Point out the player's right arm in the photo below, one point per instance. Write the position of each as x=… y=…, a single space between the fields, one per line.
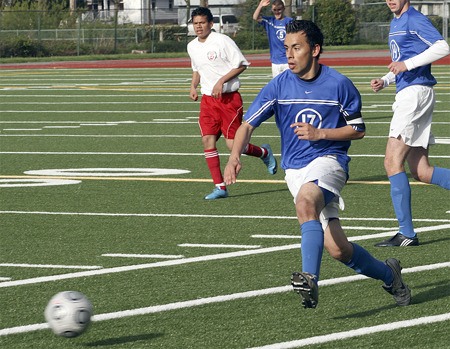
x=257 y=14
x=380 y=83
x=241 y=139
x=194 y=84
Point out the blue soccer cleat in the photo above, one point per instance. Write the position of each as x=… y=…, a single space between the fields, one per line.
x=269 y=160
x=217 y=193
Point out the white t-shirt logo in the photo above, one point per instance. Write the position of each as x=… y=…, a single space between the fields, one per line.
x=212 y=55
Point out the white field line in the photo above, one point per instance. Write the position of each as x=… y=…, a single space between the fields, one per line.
x=215 y=299
x=219 y=246
x=171 y=179
x=50 y=266
x=160 y=264
x=183 y=261
x=363 y=331
x=4 y=278
x=106 y=214
x=159 y=153
x=131 y=255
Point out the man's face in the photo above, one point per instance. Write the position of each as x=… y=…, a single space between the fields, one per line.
x=278 y=11
x=299 y=54
x=202 y=27
x=398 y=7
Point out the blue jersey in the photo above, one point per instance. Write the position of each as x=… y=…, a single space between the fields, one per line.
x=276 y=32
x=329 y=101
x=410 y=35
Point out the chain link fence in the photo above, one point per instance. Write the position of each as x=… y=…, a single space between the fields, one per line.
x=39 y=33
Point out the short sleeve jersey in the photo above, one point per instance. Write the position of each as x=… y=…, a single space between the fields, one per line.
x=329 y=101
x=276 y=32
x=409 y=35
x=213 y=59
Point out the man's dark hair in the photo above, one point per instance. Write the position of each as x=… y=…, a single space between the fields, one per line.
x=202 y=11
x=312 y=32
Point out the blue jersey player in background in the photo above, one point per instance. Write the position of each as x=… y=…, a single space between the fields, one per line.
x=318 y=113
x=414 y=44
x=275 y=27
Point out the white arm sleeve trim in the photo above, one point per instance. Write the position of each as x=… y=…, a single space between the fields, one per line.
x=388 y=79
x=436 y=51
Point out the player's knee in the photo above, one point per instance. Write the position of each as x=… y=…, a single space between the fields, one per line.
x=306 y=210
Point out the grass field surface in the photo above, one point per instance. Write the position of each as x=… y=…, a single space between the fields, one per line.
x=102 y=179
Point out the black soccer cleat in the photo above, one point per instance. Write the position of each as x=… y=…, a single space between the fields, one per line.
x=399 y=240
x=399 y=290
x=306 y=286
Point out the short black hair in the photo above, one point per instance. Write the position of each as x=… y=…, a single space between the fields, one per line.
x=202 y=11
x=312 y=32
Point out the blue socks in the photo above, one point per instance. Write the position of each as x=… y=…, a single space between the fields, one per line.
x=441 y=177
x=364 y=263
x=401 y=199
x=312 y=247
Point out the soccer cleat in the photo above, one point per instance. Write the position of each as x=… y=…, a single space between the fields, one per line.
x=217 y=193
x=399 y=240
x=398 y=289
x=306 y=286
x=269 y=160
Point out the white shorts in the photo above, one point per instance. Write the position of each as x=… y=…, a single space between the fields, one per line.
x=278 y=68
x=329 y=175
x=413 y=112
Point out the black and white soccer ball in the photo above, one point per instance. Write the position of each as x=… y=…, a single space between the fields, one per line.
x=69 y=313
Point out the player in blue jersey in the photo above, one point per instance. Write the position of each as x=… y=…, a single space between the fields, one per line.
x=414 y=45
x=275 y=29
x=318 y=112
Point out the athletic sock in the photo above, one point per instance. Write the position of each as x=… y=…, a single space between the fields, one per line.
x=312 y=247
x=254 y=150
x=213 y=163
x=364 y=263
x=401 y=200
x=441 y=177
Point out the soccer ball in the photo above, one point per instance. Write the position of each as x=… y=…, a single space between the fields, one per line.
x=68 y=313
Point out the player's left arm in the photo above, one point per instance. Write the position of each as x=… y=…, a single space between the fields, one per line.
x=217 y=89
x=308 y=132
x=438 y=50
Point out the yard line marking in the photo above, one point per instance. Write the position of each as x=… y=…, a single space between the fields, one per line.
x=262 y=236
x=4 y=279
x=219 y=246
x=148 y=265
x=363 y=331
x=131 y=255
x=212 y=257
x=50 y=266
x=216 y=299
x=179 y=215
x=188 y=180
x=62 y=127
x=22 y=129
x=274 y=236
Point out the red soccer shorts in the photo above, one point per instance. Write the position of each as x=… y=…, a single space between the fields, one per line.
x=221 y=115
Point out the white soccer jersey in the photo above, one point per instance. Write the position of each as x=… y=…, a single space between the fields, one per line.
x=213 y=59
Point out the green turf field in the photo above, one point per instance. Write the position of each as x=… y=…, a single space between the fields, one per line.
x=102 y=178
